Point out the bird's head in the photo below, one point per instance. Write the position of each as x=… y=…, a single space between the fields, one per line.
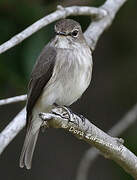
x=68 y=32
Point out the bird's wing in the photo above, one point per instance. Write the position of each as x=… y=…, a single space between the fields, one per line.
x=40 y=76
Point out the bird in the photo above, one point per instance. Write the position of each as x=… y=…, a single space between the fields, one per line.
x=59 y=77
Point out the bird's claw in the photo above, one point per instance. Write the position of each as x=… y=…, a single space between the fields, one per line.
x=70 y=114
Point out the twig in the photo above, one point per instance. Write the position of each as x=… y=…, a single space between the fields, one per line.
x=59 y=13
x=110 y=147
x=13 y=99
x=91 y=154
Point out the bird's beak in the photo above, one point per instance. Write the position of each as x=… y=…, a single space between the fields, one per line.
x=61 y=33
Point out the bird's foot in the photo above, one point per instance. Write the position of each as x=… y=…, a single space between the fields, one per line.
x=70 y=114
x=59 y=111
x=67 y=113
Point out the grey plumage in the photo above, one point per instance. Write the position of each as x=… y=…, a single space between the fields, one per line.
x=61 y=74
x=40 y=75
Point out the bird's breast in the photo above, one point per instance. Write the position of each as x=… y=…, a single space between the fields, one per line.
x=74 y=75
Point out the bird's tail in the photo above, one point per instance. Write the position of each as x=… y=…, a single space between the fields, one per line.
x=29 y=143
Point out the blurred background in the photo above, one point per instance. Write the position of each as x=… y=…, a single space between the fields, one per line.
x=112 y=92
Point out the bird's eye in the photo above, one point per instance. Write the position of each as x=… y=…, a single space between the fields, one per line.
x=74 y=33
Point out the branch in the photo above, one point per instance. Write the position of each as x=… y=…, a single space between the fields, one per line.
x=102 y=18
x=13 y=100
x=91 y=154
x=97 y=27
x=80 y=127
x=58 y=14
x=13 y=128
x=19 y=122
